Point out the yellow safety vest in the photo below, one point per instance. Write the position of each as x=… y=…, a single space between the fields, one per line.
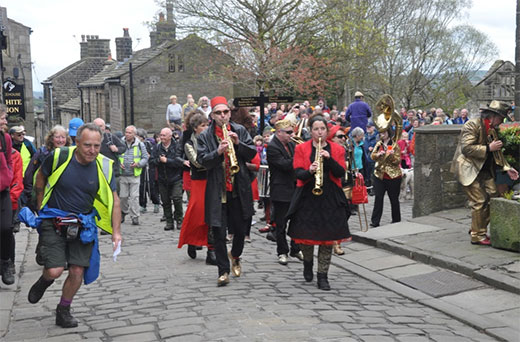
x=26 y=156
x=137 y=159
x=104 y=200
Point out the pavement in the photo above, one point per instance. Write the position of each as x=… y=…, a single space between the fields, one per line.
x=417 y=280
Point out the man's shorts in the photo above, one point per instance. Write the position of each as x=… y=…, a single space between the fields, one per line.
x=56 y=251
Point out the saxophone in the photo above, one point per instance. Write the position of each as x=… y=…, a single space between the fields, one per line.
x=231 y=151
x=497 y=155
x=317 y=190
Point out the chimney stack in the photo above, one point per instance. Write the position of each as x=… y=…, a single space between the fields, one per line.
x=123 y=46
x=92 y=46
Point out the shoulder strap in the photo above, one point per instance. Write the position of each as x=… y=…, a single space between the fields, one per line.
x=4 y=144
x=61 y=155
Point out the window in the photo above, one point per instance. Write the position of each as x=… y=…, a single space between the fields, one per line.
x=114 y=97
x=171 y=62
x=180 y=63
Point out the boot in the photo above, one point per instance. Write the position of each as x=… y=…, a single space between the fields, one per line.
x=7 y=272
x=156 y=208
x=211 y=257
x=38 y=289
x=307 y=270
x=192 y=251
x=337 y=249
x=63 y=317
x=323 y=282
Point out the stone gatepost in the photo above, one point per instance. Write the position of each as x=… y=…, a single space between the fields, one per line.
x=435 y=187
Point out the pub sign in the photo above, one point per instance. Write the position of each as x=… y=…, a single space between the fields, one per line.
x=14 y=100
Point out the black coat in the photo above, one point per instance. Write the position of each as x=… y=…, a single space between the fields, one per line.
x=208 y=157
x=171 y=171
x=282 y=177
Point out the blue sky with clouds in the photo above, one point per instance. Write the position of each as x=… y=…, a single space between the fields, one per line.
x=58 y=25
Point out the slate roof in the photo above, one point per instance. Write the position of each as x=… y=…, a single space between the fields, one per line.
x=138 y=59
x=120 y=68
x=72 y=104
x=65 y=82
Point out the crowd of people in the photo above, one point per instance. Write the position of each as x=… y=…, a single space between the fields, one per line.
x=299 y=169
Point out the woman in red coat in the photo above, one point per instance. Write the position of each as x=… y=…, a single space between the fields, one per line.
x=318 y=219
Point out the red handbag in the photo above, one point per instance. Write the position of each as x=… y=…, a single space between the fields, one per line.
x=359 y=191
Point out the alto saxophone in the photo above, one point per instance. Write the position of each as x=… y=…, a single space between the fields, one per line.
x=231 y=151
x=317 y=190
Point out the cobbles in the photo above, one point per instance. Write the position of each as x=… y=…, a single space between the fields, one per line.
x=156 y=292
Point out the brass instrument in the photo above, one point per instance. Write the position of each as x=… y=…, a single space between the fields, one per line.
x=387 y=115
x=231 y=151
x=497 y=155
x=298 y=137
x=317 y=190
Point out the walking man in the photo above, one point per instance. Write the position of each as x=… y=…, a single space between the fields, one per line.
x=280 y=152
x=132 y=162
x=229 y=199
x=74 y=182
x=167 y=159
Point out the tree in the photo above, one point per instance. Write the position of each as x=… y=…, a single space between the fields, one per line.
x=426 y=58
x=264 y=37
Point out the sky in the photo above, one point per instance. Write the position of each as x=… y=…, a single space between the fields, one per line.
x=57 y=27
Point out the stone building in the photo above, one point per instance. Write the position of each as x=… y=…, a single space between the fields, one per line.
x=60 y=91
x=497 y=84
x=16 y=72
x=140 y=95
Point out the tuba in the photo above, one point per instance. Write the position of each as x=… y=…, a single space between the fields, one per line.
x=388 y=116
x=317 y=190
x=231 y=151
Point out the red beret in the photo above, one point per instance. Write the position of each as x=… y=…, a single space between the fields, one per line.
x=218 y=100
x=333 y=131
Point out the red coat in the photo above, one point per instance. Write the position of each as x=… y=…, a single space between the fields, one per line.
x=302 y=159
x=17 y=182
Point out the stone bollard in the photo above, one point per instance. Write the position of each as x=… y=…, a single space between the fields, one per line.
x=505 y=224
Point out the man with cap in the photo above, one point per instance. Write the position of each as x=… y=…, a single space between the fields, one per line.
x=358 y=112
x=229 y=199
x=22 y=145
x=74 y=124
x=280 y=152
x=475 y=162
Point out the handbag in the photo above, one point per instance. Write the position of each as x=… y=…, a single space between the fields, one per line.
x=359 y=191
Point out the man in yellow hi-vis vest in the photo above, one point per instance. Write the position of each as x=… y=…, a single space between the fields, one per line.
x=132 y=163
x=73 y=180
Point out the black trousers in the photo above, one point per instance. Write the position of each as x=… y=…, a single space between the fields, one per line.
x=231 y=217
x=148 y=185
x=7 y=243
x=172 y=193
x=280 y=210
x=392 y=187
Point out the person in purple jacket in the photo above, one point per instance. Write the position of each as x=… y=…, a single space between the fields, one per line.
x=358 y=112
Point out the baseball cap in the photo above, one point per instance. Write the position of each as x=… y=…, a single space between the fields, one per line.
x=74 y=124
x=16 y=129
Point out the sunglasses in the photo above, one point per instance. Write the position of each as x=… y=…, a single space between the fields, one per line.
x=288 y=131
x=220 y=112
x=341 y=136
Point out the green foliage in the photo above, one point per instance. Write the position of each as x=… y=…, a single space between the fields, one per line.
x=510 y=136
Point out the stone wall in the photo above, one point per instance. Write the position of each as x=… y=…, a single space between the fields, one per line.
x=17 y=66
x=435 y=187
x=154 y=83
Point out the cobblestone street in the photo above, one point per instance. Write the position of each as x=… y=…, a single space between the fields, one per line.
x=156 y=292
